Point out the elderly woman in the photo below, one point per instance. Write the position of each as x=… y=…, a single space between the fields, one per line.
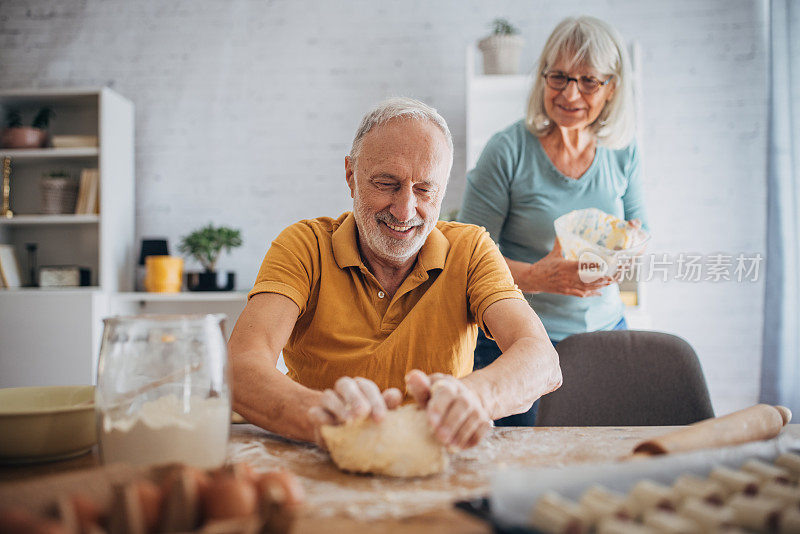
x=573 y=150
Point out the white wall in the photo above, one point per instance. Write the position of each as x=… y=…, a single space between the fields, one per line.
x=245 y=109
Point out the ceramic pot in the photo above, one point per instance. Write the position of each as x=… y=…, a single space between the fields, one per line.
x=211 y=281
x=163 y=274
x=23 y=137
x=501 y=53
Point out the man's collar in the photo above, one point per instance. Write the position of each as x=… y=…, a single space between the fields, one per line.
x=344 y=240
x=345 y=244
x=434 y=251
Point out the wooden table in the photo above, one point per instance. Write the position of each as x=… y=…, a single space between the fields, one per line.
x=341 y=502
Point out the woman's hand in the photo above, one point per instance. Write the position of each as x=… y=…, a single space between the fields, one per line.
x=554 y=274
x=352 y=398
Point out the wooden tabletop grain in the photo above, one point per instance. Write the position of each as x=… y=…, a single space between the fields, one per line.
x=347 y=503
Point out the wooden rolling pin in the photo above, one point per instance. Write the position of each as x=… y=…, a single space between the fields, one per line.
x=758 y=422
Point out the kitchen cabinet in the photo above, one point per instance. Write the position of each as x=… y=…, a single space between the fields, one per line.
x=50 y=338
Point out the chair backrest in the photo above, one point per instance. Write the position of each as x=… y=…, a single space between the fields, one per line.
x=626 y=378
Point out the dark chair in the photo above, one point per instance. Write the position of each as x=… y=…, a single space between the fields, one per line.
x=626 y=378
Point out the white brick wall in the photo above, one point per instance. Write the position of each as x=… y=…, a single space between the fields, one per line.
x=245 y=109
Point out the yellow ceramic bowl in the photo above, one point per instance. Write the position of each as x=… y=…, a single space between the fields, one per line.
x=46 y=423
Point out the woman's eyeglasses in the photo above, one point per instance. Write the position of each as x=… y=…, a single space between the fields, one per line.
x=587 y=85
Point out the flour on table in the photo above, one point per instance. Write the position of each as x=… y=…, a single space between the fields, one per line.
x=402 y=445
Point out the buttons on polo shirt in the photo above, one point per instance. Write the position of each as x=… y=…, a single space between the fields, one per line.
x=381 y=294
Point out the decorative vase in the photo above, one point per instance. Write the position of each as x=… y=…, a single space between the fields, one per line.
x=59 y=195
x=211 y=281
x=23 y=137
x=501 y=53
x=150 y=247
x=163 y=274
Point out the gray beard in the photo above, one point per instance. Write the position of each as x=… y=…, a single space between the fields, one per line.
x=381 y=245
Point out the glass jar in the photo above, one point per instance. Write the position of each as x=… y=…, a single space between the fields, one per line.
x=162 y=390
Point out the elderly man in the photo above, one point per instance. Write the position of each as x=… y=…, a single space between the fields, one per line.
x=386 y=298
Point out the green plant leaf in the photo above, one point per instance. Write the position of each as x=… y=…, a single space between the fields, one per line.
x=13 y=118
x=42 y=119
x=503 y=27
x=206 y=244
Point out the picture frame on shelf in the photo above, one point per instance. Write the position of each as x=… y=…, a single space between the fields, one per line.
x=10 y=275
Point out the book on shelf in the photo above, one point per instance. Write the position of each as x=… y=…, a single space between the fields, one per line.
x=88 y=192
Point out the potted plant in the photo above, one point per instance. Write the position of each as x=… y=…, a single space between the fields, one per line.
x=205 y=245
x=15 y=135
x=501 y=49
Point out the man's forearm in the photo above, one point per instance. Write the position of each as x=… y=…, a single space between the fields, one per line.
x=522 y=374
x=267 y=398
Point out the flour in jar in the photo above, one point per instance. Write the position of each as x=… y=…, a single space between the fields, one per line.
x=162 y=431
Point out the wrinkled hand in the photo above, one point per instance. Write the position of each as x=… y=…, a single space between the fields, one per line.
x=554 y=274
x=455 y=412
x=352 y=398
x=636 y=223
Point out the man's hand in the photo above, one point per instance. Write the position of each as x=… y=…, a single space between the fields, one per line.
x=352 y=398
x=455 y=412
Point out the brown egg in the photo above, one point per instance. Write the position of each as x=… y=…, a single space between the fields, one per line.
x=240 y=470
x=281 y=496
x=87 y=511
x=281 y=487
x=228 y=497
x=243 y=470
x=15 y=520
x=182 y=488
x=150 y=498
x=200 y=477
x=47 y=526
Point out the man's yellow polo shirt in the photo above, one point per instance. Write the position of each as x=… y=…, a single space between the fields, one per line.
x=348 y=326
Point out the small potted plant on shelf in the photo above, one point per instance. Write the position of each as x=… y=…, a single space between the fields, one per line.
x=501 y=49
x=15 y=135
x=205 y=245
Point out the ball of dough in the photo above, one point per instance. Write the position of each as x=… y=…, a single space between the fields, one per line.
x=402 y=445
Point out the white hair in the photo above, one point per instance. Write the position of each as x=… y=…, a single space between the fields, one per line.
x=399 y=107
x=590 y=41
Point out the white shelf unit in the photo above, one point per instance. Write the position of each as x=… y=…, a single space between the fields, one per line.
x=50 y=291
x=494 y=102
x=52 y=336
x=101 y=242
x=28 y=220
x=229 y=303
x=50 y=153
x=186 y=296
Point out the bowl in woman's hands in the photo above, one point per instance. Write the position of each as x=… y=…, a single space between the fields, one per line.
x=604 y=245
